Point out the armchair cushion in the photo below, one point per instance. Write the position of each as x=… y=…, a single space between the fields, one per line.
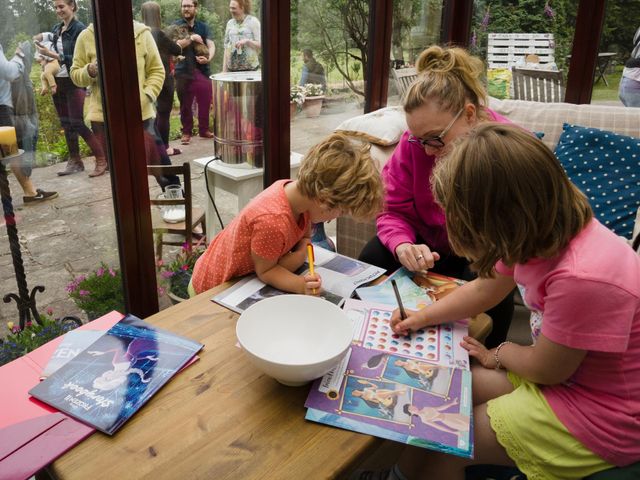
x=382 y=127
x=606 y=167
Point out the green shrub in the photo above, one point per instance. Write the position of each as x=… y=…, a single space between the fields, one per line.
x=20 y=342
x=99 y=292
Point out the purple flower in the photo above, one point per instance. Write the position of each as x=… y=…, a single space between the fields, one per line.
x=161 y=291
x=486 y=19
x=15 y=329
x=84 y=293
x=100 y=272
x=80 y=278
x=112 y=272
x=548 y=11
x=166 y=274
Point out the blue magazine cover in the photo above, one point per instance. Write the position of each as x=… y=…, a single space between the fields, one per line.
x=107 y=383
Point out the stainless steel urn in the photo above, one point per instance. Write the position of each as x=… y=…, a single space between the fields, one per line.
x=237 y=122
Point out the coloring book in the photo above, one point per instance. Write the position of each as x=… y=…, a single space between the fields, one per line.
x=340 y=277
x=104 y=385
x=414 y=389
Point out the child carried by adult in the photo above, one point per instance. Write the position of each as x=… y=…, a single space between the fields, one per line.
x=269 y=236
x=50 y=65
x=567 y=406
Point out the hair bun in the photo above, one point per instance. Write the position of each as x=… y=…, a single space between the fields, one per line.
x=436 y=59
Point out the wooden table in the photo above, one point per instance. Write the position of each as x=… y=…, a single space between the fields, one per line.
x=218 y=419
x=604 y=59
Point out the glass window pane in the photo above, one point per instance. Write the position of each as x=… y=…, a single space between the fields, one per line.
x=63 y=210
x=535 y=36
x=213 y=117
x=618 y=44
x=329 y=42
x=416 y=25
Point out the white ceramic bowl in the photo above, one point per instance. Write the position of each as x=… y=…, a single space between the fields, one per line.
x=294 y=338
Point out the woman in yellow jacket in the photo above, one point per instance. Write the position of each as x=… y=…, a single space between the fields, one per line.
x=84 y=73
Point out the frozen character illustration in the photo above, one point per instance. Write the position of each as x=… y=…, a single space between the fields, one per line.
x=382 y=399
x=454 y=423
x=123 y=363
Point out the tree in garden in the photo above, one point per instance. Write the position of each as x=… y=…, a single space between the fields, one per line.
x=337 y=31
x=406 y=13
x=622 y=19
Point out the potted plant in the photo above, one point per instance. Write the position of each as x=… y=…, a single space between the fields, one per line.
x=99 y=292
x=178 y=272
x=297 y=95
x=20 y=342
x=314 y=95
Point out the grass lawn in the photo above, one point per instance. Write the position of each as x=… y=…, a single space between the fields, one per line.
x=603 y=93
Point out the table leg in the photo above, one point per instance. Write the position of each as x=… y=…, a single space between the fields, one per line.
x=26 y=301
x=601 y=71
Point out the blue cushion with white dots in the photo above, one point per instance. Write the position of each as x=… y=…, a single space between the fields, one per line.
x=606 y=167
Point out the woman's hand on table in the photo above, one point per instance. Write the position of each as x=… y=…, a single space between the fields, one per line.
x=416 y=258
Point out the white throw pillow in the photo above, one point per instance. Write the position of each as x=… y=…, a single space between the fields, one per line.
x=382 y=127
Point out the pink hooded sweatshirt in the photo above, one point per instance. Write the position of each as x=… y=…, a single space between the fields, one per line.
x=410 y=209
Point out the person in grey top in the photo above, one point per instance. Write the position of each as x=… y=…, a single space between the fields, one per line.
x=12 y=70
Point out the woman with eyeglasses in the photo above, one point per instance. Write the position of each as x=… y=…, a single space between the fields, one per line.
x=446 y=101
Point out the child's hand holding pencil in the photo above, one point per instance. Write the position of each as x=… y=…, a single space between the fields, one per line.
x=312 y=281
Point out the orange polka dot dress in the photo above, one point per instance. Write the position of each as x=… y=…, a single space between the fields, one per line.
x=266 y=227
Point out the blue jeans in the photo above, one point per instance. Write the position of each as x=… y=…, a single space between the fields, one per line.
x=629 y=92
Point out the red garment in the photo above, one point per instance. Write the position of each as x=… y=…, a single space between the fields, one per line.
x=266 y=227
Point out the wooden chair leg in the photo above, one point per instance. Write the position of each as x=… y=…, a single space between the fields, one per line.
x=158 y=245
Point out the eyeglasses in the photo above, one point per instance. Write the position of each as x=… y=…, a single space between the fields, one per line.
x=435 y=142
x=188 y=6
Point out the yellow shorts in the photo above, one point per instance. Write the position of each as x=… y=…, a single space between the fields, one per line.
x=191 y=290
x=535 y=439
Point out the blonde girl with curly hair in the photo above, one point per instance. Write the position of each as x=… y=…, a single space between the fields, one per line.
x=446 y=101
x=269 y=236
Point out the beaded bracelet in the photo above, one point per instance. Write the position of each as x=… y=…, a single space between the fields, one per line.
x=495 y=355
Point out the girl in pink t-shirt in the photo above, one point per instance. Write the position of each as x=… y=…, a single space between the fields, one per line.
x=568 y=405
x=270 y=235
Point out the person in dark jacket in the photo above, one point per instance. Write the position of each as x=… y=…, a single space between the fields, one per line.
x=312 y=71
x=69 y=99
x=192 y=73
x=168 y=49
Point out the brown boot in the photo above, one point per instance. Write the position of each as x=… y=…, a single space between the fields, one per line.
x=74 y=165
x=101 y=167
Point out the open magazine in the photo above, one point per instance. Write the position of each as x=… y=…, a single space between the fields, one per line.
x=414 y=389
x=340 y=275
x=104 y=385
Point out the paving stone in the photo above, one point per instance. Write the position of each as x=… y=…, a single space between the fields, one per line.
x=73 y=233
